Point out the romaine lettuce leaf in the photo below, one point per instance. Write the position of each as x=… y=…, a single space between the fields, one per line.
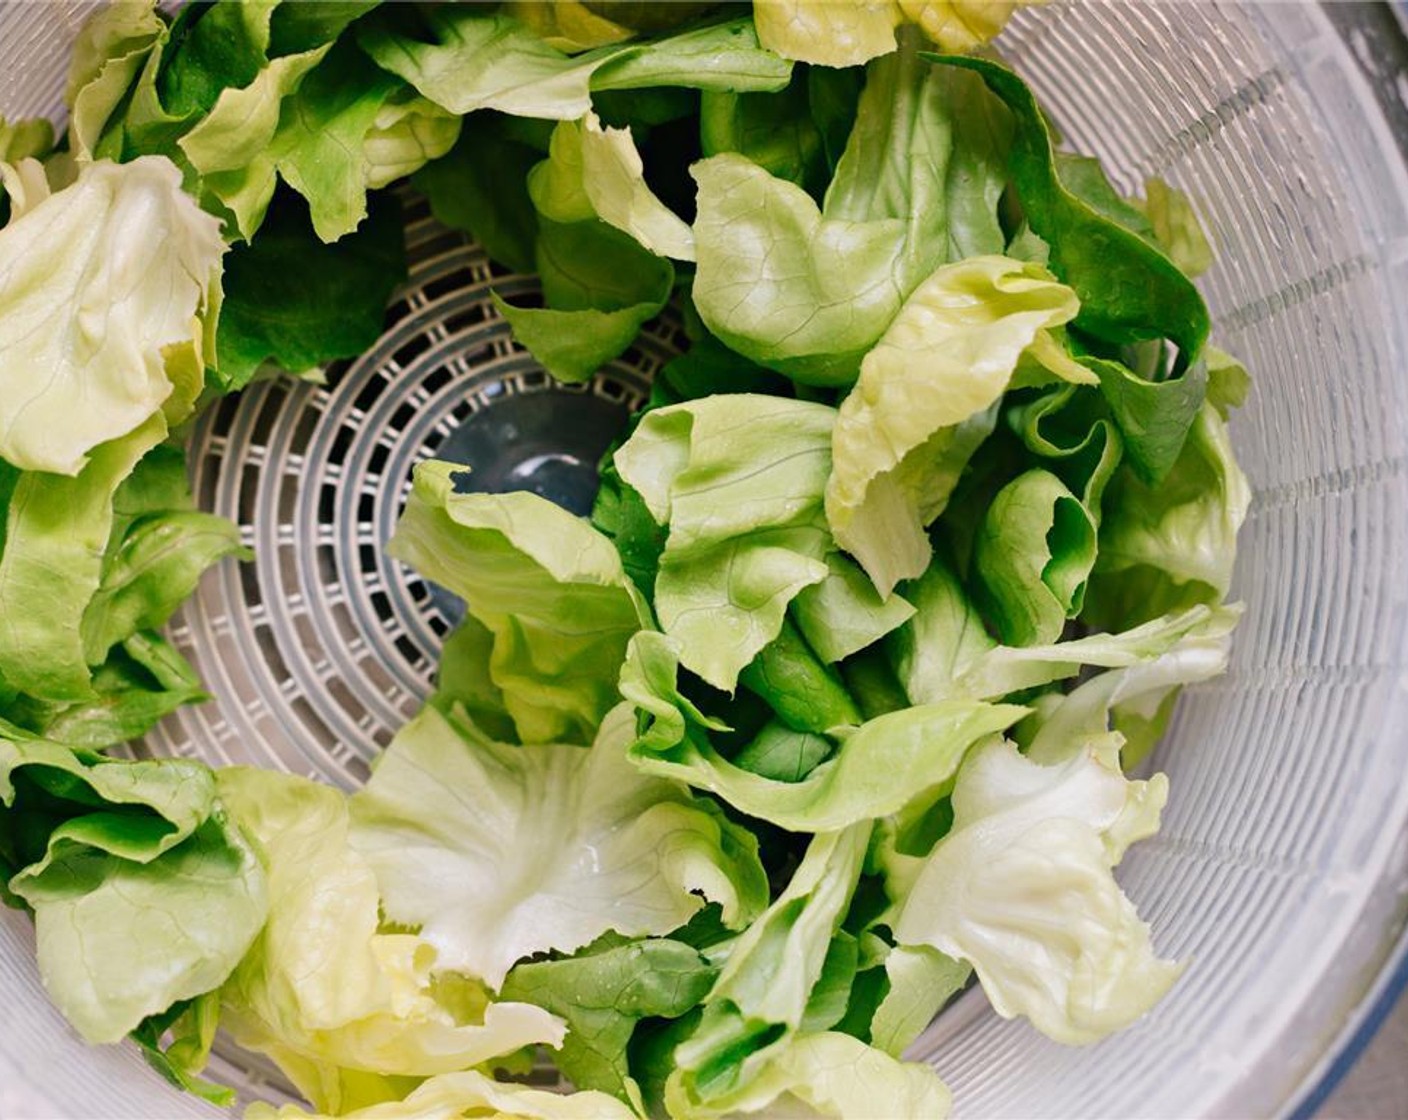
x=738 y=479
x=144 y=893
x=878 y=768
x=98 y=281
x=323 y=990
x=548 y=587
x=925 y=401
x=498 y=852
x=1021 y=888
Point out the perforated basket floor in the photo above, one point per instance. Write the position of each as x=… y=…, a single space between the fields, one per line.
x=323 y=646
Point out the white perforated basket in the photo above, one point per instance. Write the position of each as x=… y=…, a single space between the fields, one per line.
x=1282 y=868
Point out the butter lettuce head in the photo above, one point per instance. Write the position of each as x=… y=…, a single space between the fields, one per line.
x=98 y=282
x=337 y=1002
x=498 y=852
x=1022 y=889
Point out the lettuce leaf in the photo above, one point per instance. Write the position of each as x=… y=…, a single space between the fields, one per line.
x=925 y=401
x=1021 y=888
x=453 y=1096
x=738 y=480
x=548 y=587
x=830 y=1074
x=1169 y=546
x=878 y=768
x=56 y=531
x=108 y=53
x=762 y=993
x=298 y=303
x=498 y=852
x=323 y=990
x=99 y=281
x=143 y=892
x=844 y=614
x=480 y=60
x=1128 y=288
x=603 y=994
x=808 y=291
x=829 y=33
x=945 y=653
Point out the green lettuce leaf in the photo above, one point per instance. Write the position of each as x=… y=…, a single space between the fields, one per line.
x=406 y=134
x=482 y=60
x=141 y=681
x=155 y=568
x=827 y=34
x=806 y=694
x=100 y=279
x=777 y=131
x=1135 y=693
x=294 y=28
x=738 y=479
x=602 y=996
x=1022 y=889
x=1154 y=417
x=600 y=287
x=548 y=587
x=877 y=769
x=1128 y=289
x=108 y=53
x=480 y=186
x=452 y=1096
x=1176 y=227
x=298 y=303
x=143 y=892
x=809 y=291
x=763 y=991
x=323 y=990
x=191 y=1026
x=945 y=653
x=1033 y=555
x=1169 y=546
x=844 y=614
x=920 y=981
x=925 y=401
x=830 y=1074
x=498 y=852
x=56 y=531
x=233 y=146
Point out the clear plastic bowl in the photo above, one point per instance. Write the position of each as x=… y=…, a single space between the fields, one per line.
x=1281 y=872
